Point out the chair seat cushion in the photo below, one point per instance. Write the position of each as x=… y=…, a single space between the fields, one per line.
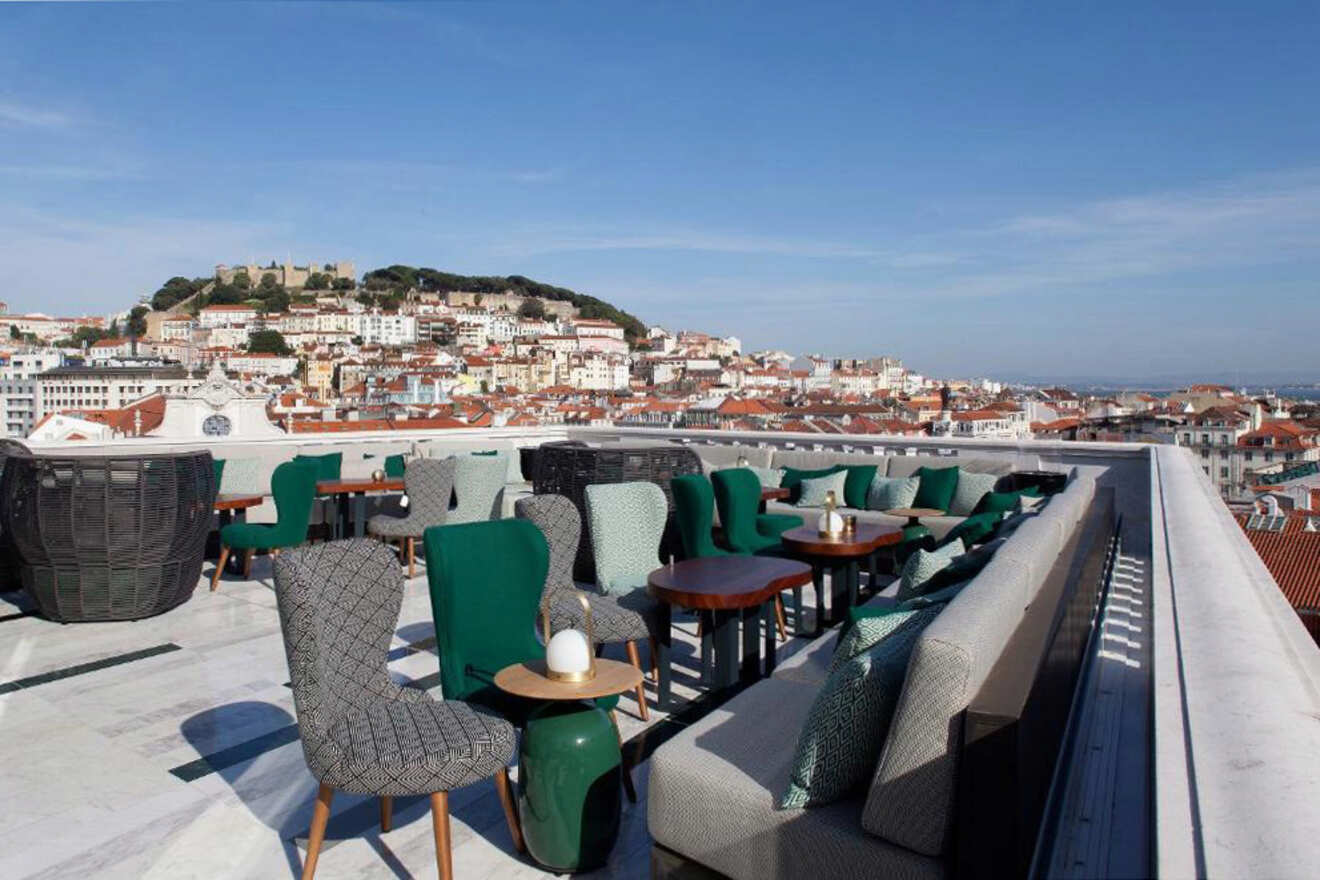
x=414 y=748
x=250 y=536
x=713 y=789
x=616 y=617
x=775 y=524
x=395 y=526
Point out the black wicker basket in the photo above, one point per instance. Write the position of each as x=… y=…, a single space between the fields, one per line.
x=9 y=577
x=569 y=468
x=102 y=538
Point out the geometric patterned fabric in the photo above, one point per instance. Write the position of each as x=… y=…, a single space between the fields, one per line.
x=922 y=565
x=849 y=721
x=889 y=493
x=361 y=732
x=478 y=482
x=971 y=488
x=429 y=484
x=615 y=617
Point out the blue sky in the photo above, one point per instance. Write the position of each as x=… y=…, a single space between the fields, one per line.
x=1039 y=189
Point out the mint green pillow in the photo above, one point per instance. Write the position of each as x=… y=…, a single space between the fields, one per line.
x=923 y=565
x=889 y=493
x=936 y=488
x=793 y=477
x=847 y=724
x=769 y=477
x=857 y=484
x=971 y=488
x=813 y=490
x=865 y=632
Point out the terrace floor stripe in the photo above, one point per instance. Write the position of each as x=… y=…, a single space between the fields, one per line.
x=236 y=754
x=84 y=668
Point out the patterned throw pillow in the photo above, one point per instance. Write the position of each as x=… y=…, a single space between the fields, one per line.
x=867 y=632
x=970 y=490
x=849 y=721
x=813 y=490
x=888 y=493
x=1030 y=503
x=923 y=565
x=769 y=477
x=938 y=597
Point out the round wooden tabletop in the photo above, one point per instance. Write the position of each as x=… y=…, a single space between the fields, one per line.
x=866 y=540
x=775 y=493
x=529 y=680
x=344 y=487
x=719 y=583
x=915 y=512
x=234 y=501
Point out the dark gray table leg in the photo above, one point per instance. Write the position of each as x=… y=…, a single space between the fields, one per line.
x=726 y=648
x=707 y=640
x=768 y=615
x=359 y=514
x=818 y=581
x=854 y=576
x=838 y=590
x=797 y=612
x=339 y=517
x=663 y=655
x=751 y=643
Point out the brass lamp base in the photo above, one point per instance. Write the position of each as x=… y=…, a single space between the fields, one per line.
x=572 y=677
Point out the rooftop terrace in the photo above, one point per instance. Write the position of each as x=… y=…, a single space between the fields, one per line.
x=168 y=746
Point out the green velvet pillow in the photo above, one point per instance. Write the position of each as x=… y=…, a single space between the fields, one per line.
x=812 y=491
x=847 y=724
x=858 y=483
x=1002 y=502
x=922 y=565
x=487 y=452
x=327 y=466
x=962 y=568
x=936 y=488
x=793 y=477
x=975 y=529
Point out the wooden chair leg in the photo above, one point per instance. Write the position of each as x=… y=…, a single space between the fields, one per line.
x=779 y=617
x=247 y=563
x=635 y=660
x=655 y=660
x=320 y=816
x=386 y=811
x=444 y=859
x=219 y=567
x=510 y=814
x=628 y=788
x=412 y=559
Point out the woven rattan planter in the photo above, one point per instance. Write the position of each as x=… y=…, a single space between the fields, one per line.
x=108 y=538
x=569 y=468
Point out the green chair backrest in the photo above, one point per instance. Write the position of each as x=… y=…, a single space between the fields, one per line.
x=625 y=522
x=294 y=486
x=486 y=580
x=738 y=495
x=219 y=465
x=694 y=512
x=395 y=465
x=328 y=467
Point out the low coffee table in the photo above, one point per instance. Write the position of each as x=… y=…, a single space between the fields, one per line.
x=570 y=820
x=727 y=589
x=914 y=514
x=841 y=553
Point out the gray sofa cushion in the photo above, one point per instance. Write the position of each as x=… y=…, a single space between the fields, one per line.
x=721 y=456
x=811 y=664
x=908 y=465
x=712 y=799
x=806 y=459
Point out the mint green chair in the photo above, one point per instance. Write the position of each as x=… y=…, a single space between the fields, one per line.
x=478 y=488
x=694 y=513
x=293 y=486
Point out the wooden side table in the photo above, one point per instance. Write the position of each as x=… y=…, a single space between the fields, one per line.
x=841 y=554
x=569 y=763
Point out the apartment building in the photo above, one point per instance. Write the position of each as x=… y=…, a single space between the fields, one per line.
x=107 y=387
x=20 y=401
x=387 y=328
x=1213 y=435
x=226 y=316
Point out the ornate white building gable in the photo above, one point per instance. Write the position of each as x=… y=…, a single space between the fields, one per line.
x=217 y=408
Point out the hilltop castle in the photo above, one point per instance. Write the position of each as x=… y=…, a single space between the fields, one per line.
x=288 y=275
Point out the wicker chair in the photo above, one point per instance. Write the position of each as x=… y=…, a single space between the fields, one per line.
x=568 y=468
x=361 y=732
x=429 y=484
x=10 y=579
x=102 y=538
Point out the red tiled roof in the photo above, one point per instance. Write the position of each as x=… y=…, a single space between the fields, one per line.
x=1292 y=556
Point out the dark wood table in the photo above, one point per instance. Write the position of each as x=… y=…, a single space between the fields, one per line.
x=841 y=554
x=914 y=514
x=343 y=490
x=725 y=590
x=772 y=493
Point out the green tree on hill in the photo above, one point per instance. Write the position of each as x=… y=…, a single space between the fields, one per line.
x=532 y=309
x=317 y=281
x=268 y=342
x=242 y=281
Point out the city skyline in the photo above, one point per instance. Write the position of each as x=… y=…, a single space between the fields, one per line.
x=986 y=192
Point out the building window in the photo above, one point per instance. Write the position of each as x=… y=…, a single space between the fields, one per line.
x=1223 y=473
x=1223 y=453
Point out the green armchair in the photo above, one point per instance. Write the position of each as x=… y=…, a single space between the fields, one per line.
x=694 y=506
x=294 y=487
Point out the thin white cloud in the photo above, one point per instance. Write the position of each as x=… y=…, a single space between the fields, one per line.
x=25 y=116
x=80 y=173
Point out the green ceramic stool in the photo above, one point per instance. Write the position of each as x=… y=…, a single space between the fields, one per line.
x=569 y=776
